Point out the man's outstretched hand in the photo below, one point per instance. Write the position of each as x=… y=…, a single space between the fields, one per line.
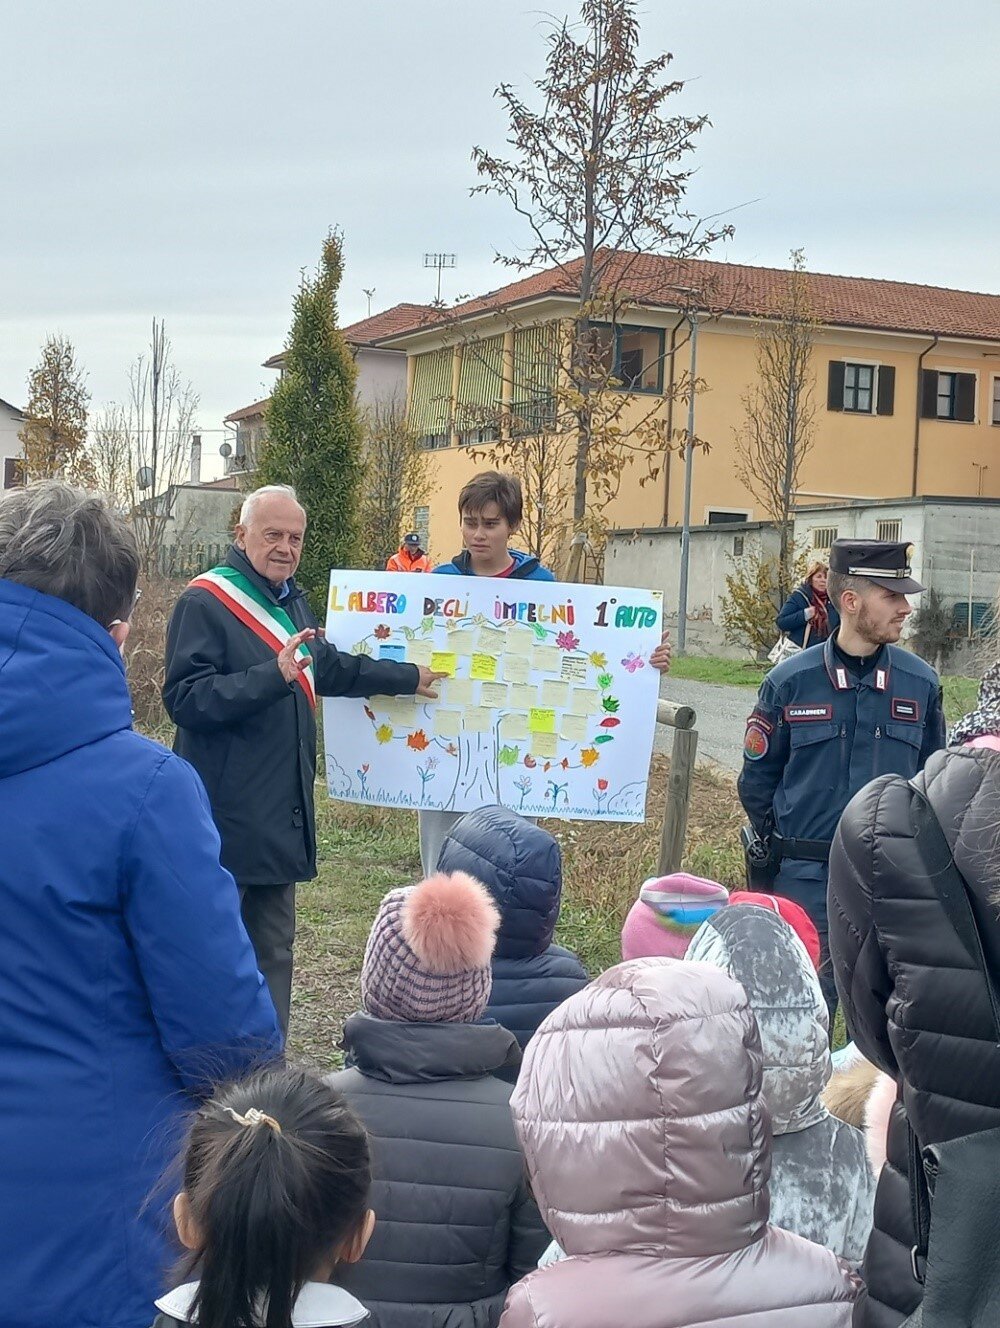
x=427 y=681
x=290 y=664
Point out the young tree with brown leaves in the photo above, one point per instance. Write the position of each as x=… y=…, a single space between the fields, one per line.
x=599 y=174
x=777 y=432
x=55 y=435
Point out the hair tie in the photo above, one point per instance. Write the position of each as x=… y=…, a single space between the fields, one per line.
x=254 y=1117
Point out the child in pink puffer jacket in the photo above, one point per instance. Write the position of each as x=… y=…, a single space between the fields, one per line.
x=649 y=1152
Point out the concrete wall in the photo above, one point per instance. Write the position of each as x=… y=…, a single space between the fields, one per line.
x=652 y=559
x=201 y=516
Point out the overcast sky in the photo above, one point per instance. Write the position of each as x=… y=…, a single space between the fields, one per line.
x=185 y=159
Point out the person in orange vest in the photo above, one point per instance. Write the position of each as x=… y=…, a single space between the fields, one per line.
x=410 y=556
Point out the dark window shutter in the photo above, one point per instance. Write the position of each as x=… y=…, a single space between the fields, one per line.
x=835 y=386
x=928 y=394
x=886 y=389
x=965 y=397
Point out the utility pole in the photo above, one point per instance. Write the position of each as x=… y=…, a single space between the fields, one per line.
x=682 y=597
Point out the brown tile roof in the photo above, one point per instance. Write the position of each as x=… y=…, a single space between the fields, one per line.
x=860 y=302
x=401 y=317
x=247 y=412
x=227 y=482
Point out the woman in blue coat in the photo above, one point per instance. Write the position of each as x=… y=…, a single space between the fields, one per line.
x=127 y=983
x=809 y=606
x=521 y=866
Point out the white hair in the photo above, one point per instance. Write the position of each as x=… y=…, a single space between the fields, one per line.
x=252 y=499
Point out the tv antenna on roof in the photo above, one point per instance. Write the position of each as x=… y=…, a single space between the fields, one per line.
x=440 y=262
x=369 y=293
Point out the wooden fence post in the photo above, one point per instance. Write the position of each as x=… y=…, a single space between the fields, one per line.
x=682 y=758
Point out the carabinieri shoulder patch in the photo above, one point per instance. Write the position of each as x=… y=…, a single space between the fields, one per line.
x=756 y=744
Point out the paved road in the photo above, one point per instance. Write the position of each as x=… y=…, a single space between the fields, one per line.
x=722 y=717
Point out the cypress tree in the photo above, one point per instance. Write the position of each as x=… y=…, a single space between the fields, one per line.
x=314 y=429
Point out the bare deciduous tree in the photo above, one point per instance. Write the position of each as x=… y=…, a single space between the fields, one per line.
x=141 y=447
x=777 y=433
x=395 y=480
x=599 y=175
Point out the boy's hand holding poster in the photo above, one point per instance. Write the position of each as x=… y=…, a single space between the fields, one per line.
x=548 y=708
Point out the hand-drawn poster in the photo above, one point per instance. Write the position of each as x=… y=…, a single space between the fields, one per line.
x=548 y=708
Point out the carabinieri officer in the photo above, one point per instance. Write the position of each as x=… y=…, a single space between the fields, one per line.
x=834 y=717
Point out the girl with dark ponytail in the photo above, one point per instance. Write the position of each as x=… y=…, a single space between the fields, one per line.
x=276 y=1183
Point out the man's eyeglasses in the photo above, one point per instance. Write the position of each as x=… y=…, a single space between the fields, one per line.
x=117 y=622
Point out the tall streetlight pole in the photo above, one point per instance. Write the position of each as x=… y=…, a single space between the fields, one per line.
x=682 y=596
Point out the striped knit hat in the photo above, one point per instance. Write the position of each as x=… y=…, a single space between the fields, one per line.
x=668 y=912
x=428 y=954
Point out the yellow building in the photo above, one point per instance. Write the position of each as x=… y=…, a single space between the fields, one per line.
x=906 y=383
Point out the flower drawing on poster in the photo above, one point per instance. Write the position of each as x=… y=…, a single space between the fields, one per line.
x=546 y=691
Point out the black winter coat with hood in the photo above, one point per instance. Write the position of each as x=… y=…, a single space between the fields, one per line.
x=456 y=1223
x=914 y=999
x=520 y=865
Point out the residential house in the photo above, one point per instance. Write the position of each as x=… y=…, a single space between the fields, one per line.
x=12 y=421
x=906 y=383
x=381 y=375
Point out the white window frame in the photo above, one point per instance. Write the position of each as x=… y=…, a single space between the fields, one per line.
x=950 y=419
x=866 y=364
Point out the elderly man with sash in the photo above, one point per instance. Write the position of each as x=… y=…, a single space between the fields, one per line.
x=245 y=663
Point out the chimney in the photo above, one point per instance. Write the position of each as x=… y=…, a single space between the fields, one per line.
x=196 y=458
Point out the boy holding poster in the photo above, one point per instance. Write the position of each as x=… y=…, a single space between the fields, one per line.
x=490 y=509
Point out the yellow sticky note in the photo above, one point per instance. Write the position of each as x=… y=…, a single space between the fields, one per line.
x=419 y=652
x=514 y=727
x=586 y=700
x=574 y=727
x=523 y=696
x=447 y=723
x=546 y=659
x=478 y=720
x=541 y=720
x=484 y=667
x=493 y=695
x=516 y=668
x=519 y=641
x=457 y=691
x=545 y=744
x=574 y=668
x=444 y=661
x=554 y=692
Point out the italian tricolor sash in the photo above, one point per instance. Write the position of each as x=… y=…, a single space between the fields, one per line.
x=261 y=615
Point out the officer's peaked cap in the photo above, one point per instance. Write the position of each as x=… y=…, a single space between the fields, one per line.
x=885 y=563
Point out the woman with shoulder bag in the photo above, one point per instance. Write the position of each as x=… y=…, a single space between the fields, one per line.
x=915 y=940
x=807 y=616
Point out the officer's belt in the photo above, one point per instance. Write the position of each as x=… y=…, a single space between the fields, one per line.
x=806 y=850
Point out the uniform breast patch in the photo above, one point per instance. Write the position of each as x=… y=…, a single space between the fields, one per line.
x=757 y=743
x=906 y=710
x=804 y=714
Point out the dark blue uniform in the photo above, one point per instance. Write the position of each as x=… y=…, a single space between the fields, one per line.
x=816 y=736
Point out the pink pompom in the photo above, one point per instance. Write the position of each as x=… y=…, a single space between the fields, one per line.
x=450 y=923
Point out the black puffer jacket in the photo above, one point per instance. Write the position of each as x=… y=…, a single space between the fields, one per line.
x=520 y=865
x=915 y=1001
x=456 y=1222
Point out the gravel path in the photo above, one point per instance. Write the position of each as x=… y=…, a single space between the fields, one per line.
x=722 y=716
